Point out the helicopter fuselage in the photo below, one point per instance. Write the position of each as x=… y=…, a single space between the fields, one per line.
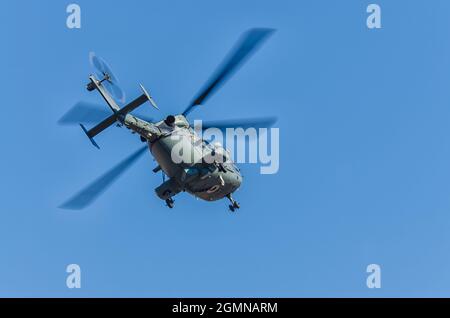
x=191 y=163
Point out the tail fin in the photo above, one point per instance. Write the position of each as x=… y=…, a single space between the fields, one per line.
x=90 y=138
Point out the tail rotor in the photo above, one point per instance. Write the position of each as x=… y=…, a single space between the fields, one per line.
x=106 y=76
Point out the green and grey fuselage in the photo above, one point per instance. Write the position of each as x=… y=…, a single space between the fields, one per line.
x=206 y=178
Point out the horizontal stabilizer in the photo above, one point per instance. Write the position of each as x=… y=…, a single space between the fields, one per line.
x=118 y=115
x=89 y=113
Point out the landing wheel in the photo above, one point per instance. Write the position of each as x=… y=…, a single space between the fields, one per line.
x=234 y=205
x=170 y=203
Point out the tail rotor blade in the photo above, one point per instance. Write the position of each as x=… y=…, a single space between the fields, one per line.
x=102 y=69
x=248 y=44
x=90 y=193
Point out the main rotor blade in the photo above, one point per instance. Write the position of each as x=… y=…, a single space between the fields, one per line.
x=88 y=113
x=262 y=122
x=84 y=112
x=90 y=193
x=249 y=43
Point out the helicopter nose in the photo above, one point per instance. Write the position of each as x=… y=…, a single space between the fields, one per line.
x=233 y=180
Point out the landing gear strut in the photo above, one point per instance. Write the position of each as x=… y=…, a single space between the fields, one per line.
x=234 y=205
x=170 y=203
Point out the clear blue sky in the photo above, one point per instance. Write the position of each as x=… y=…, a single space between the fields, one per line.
x=364 y=118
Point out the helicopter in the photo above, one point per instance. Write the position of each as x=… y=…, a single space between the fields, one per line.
x=209 y=180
